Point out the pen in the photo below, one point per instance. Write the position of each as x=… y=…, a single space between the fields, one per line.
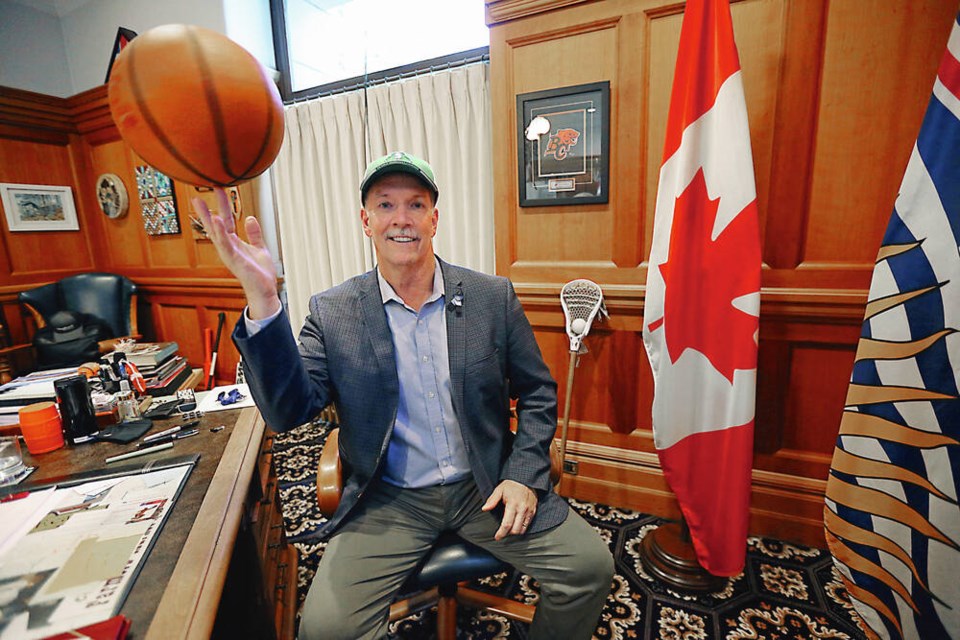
x=167 y=438
x=139 y=452
x=157 y=436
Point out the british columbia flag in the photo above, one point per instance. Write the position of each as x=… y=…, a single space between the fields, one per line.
x=891 y=516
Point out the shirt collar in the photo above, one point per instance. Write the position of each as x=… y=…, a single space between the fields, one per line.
x=387 y=293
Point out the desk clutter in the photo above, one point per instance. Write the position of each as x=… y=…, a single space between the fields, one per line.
x=70 y=551
x=115 y=381
x=226 y=514
x=113 y=400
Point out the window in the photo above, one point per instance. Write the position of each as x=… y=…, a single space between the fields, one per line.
x=323 y=45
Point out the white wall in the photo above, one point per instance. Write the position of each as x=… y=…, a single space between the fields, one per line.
x=89 y=31
x=32 y=51
x=68 y=55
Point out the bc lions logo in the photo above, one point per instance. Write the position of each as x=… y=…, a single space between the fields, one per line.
x=560 y=143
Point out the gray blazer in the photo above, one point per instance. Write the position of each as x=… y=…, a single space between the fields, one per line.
x=345 y=356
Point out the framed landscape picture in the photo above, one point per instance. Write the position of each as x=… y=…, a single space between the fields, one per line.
x=38 y=207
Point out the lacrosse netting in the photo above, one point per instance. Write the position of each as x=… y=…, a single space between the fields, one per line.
x=581 y=300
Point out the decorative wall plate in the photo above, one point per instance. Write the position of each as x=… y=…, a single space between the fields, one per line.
x=112 y=195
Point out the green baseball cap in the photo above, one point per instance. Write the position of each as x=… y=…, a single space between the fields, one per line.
x=399 y=162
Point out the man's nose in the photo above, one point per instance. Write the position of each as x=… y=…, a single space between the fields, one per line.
x=403 y=217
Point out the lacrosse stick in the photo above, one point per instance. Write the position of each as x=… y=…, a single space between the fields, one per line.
x=581 y=301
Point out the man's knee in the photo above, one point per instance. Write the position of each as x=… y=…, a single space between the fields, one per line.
x=596 y=564
x=322 y=618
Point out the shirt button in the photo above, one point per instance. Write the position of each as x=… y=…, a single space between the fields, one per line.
x=419 y=321
x=446 y=464
x=431 y=394
x=437 y=429
x=426 y=358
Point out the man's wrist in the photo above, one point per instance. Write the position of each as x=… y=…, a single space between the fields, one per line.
x=262 y=308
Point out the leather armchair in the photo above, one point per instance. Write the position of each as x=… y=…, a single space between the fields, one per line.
x=107 y=296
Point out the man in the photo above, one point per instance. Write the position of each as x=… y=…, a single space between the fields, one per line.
x=420 y=358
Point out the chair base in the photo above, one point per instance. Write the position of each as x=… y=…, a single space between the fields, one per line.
x=447 y=607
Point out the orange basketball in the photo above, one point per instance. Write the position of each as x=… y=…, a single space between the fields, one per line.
x=196 y=106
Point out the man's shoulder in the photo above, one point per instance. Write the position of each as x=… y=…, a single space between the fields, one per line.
x=349 y=289
x=469 y=277
x=350 y=286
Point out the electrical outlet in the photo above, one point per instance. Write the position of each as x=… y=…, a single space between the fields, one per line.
x=571 y=467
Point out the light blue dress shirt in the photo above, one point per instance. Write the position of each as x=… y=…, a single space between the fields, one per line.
x=426 y=446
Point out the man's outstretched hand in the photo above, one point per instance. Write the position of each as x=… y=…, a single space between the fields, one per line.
x=249 y=261
x=519 y=506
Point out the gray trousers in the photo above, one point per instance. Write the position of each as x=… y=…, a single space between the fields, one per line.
x=369 y=558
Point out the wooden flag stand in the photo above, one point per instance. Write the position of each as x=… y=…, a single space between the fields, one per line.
x=667 y=554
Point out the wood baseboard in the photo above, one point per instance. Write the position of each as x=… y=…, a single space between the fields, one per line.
x=782 y=506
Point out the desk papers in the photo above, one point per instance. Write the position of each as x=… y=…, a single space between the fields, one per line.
x=76 y=550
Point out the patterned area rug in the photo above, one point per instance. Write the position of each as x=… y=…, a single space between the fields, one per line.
x=786 y=591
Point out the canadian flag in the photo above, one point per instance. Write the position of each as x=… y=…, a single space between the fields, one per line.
x=703 y=292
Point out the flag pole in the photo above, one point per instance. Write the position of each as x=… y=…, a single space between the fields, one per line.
x=668 y=555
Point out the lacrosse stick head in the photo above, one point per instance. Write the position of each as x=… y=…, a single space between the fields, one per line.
x=581 y=301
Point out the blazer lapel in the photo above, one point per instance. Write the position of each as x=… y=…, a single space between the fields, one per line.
x=378 y=331
x=456 y=331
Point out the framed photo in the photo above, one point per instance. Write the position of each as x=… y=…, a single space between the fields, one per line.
x=563 y=145
x=38 y=207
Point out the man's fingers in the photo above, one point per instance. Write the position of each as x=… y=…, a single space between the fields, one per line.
x=507 y=526
x=493 y=500
x=224 y=210
x=254 y=233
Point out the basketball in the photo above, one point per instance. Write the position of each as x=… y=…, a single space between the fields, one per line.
x=196 y=106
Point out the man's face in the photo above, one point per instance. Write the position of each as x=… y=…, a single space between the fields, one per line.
x=400 y=217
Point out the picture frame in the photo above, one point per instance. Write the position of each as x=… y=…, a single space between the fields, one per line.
x=124 y=36
x=38 y=207
x=563 y=141
x=158 y=203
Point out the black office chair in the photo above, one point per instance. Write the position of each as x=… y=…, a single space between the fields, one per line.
x=441 y=577
x=106 y=298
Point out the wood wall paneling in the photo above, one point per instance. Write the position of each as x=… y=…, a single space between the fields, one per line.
x=876 y=80
x=183 y=285
x=124 y=245
x=43 y=254
x=834 y=103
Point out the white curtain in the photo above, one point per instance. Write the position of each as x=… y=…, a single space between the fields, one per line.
x=443 y=117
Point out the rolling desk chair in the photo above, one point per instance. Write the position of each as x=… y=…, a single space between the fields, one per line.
x=440 y=577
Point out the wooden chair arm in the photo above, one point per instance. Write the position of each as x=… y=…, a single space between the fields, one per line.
x=330 y=475
x=37 y=317
x=556 y=464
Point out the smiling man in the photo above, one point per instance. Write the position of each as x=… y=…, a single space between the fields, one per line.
x=421 y=358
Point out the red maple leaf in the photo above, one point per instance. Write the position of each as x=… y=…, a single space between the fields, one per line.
x=703 y=276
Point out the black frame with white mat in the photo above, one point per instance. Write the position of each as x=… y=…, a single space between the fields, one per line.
x=563 y=141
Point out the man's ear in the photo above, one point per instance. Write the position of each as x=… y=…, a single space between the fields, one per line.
x=365 y=220
x=436 y=216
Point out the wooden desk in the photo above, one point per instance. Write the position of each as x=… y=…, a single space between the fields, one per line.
x=221 y=566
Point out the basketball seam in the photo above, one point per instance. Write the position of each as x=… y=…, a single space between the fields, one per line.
x=152 y=123
x=213 y=104
x=266 y=137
